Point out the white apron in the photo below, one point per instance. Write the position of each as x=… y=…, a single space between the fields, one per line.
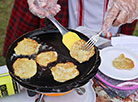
x=91 y=16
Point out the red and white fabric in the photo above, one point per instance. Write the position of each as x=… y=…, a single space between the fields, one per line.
x=88 y=13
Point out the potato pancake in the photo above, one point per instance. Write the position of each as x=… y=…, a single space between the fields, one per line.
x=64 y=71
x=122 y=62
x=25 y=68
x=44 y=58
x=81 y=55
x=26 y=47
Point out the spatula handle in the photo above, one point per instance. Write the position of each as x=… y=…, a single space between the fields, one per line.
x=62 y=29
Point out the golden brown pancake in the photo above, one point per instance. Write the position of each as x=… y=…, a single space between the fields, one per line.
x=81 y=55
x=24 y=68
x=122 y=62
x=45 y=58
x=26 y=47
x=64 y=71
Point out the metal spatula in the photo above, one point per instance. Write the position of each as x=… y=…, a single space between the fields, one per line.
x=68 y=37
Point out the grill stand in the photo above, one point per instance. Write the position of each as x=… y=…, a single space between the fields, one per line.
x=80 y=91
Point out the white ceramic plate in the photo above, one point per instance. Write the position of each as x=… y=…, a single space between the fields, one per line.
x=108 y=55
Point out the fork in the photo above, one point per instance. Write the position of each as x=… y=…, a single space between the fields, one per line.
x=91 y=42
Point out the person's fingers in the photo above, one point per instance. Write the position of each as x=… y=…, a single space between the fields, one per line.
x=42 y=8
x=42 y=4
x=55 y=9
x=121 y=18
x=34 y=9
x=53 y=12
x=131 y=17
x=43 y=0
x=111 y=16
x=58 y=7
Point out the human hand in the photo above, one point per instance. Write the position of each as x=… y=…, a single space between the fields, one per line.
x=121 y=12
x=43 y=8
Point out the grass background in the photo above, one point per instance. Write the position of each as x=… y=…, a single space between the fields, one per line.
x=5 y=11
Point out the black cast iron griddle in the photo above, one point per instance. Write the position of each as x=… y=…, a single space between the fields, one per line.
x=43 y=81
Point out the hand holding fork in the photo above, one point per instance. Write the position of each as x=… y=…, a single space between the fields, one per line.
x=120 y=12
x=91 y=42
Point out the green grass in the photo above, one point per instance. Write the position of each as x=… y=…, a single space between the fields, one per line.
x=5 y=11
x=136 y=30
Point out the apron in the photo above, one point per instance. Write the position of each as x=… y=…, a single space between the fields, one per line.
x=89 y=13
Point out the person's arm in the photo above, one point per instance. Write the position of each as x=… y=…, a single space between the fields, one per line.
x=121 y=12
x=41 y=8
